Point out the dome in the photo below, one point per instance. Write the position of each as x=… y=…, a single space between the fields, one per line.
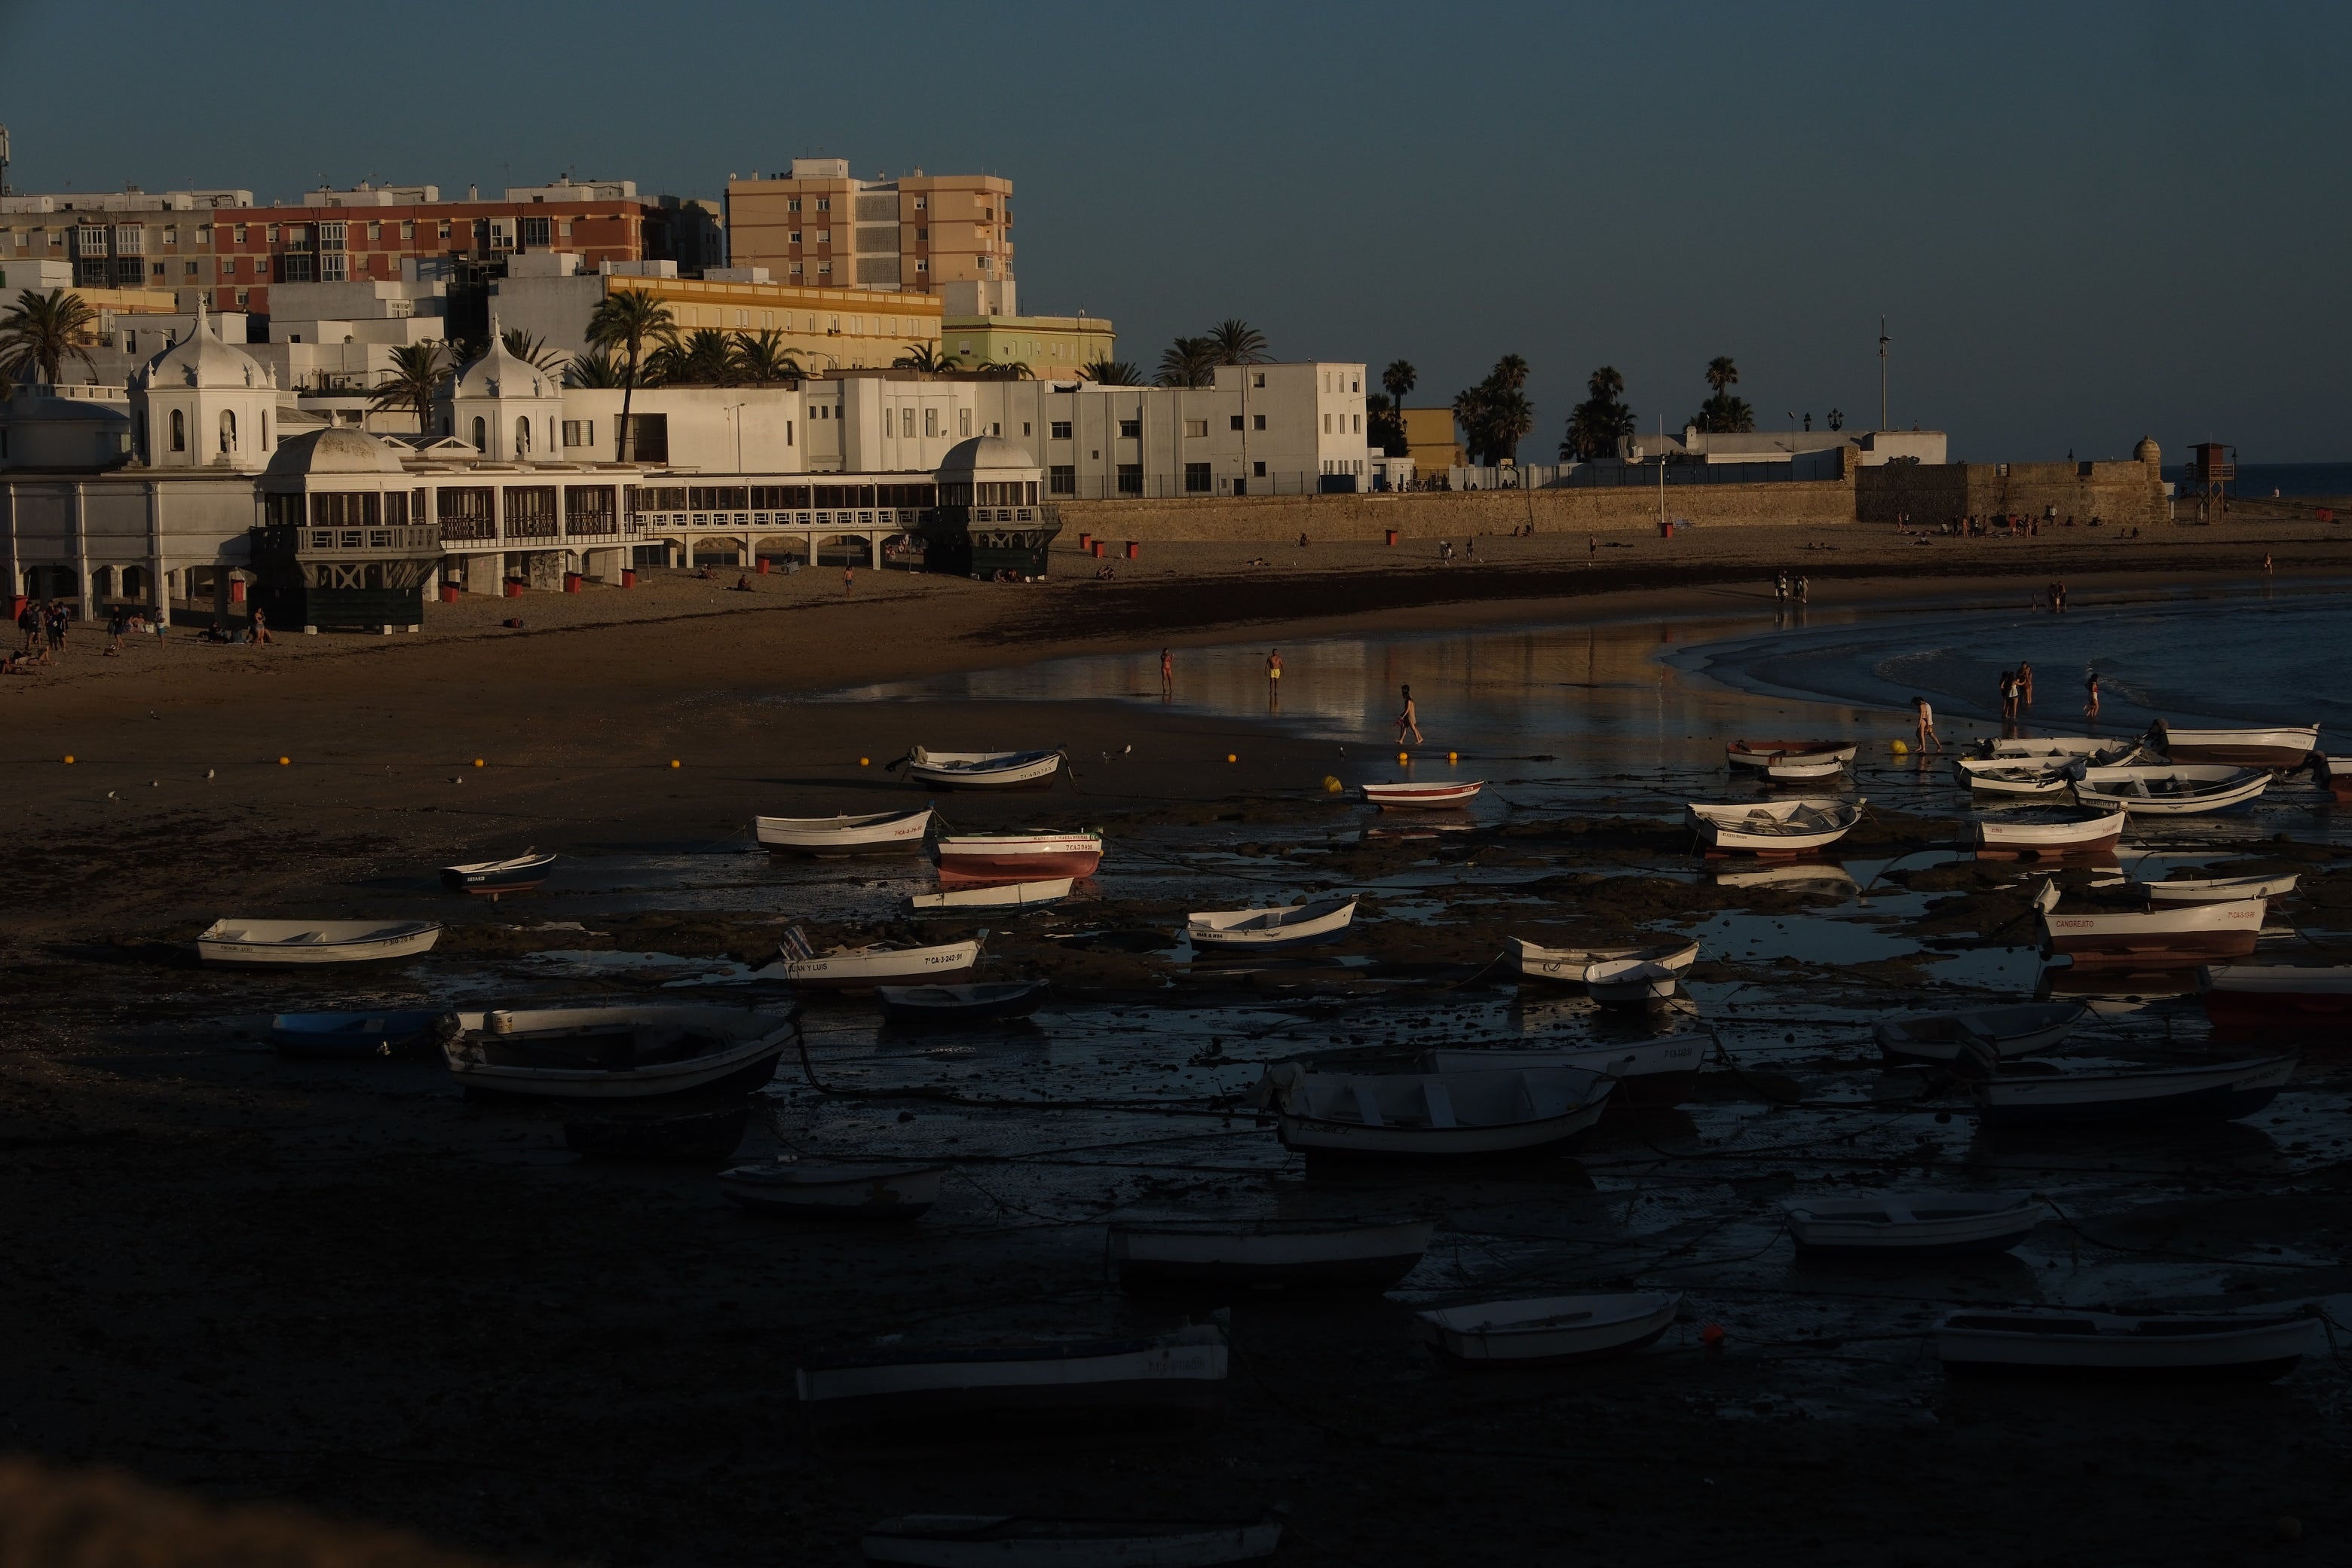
x=984 y=453
x=37 y=410
x=337 y=449
x=500 y=374
x=204 y=360
x=2148 y=452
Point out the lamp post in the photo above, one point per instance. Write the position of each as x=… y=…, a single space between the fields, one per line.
x=737 y=410
x=1882 y=341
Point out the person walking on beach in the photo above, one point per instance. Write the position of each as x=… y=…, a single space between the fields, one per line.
x=848 y=578
x=1408 y=720
x=2091 y=691
x=2008 y=698
x=260 y=626
x=2025 y=684
x=1274 y=674
x=1445 y=552
x=1927 y=717
x=1592 y=550
x=1804 y=589
x=1167 y=674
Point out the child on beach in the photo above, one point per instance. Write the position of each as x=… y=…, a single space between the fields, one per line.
x=1409 y=720
x=1928 y=742
x=1167 y=673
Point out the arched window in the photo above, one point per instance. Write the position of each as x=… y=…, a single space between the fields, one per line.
x=522 y=438
x=481 y=437
x=228 y=431
x=178 y=430
x=265 y=429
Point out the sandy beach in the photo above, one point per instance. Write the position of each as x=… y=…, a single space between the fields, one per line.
x=346 y=1287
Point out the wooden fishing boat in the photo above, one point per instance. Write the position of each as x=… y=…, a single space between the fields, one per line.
x=2182 y=791
x=1823 y=876
x=969 y=857
x=2022 y=778
x=1798 y=826
x=1264 y=931
x=1803 y=769
x=2251 y=995
x=876 y=964
x=2057 y=833
x=614 y=1053
x=2016 y=1030
x=289 y=943
x=984 y=770
x=874 y=833
x=1574 y=966
x=2219 y=1092
x=1005 y=896
x=1650 y=1076
x=492 y=878
x=700 y=1137
x=1550 y=1329
x=2216 y=889
x=1181 y=1257
x=837 y=1189
x=1911 y=1224
x=2052 y=746
x=376 y=1034
x=986 y=1541
x=2284 y=746
x=2056 y=1340
x=2172 y=936
x=942 y=1006
x=1175 y=1378
x=1631 y=983
x=1761 y=755
x=1422 y=797
x=2335 y=775
x=1491 y=1112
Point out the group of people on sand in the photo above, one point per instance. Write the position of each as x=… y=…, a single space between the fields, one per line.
x=1789 y=589
x=2016 y=694
x=1408 y=719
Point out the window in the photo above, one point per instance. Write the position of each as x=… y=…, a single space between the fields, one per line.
x=590 y=509
x=1058 y=430
x=1237 y=421
x=188 y=268
x=922 y=202
x=522 y=437
x=227 y=431
x=1196 y=478
x=129 y=241
x=963 y=421
x=1062 y=480
x=239 y=231
x=1130 y=429
x=823 y=203
x=768 y=319
x=243 y=296
x=347 y=509
x=171 y=234
x=299 y=265
x=792 y=204
x=129 y=272
x=481 y=437
x=1360 y=424
x=648 y=439
x=445 y=228
x=930 y=421
x=579 y=432
x=825 y=269
x=1257 y=378
x=535 y=231
x=375 y=231
x=1258 y=421
x=408 y=229
x=1131 y=479
x=1327 y=425
x=824 y=237
x=468 y=512
x=179 y=431
x=923 y=266
x=795 y=268
x=1196 y=427
x=531 y=511
x=1327 y=381
x=330 y=265
x=890 y=424
x=155 y=267
x=1257 y=470
x=793 y=238
x=906 y=421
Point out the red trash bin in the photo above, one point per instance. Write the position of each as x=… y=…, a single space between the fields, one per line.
x=1086 y=541
x=1130 y=550
x=628 y=577
x=572 y=581
x=1095 y=546
x=448 y=593
x=237 y=590
x=514 y=589
x=1392 y=536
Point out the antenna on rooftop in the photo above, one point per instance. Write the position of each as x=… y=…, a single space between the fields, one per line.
x=3 y=160
x=1882 y=341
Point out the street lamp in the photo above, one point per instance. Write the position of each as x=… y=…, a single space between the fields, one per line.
x=737 y=410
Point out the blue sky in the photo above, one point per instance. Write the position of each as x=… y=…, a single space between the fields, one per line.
x=2084 y=223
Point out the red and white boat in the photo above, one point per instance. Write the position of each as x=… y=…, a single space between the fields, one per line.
x=2050 y=834
x=2287 y=746
x=1390 y=796
x=1764 y=755
x=966 y=858
x=2335 y=777
x=2273 y=994
x=876 y=964
x=2173 y=936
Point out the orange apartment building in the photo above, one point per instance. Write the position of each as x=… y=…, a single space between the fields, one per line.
x=819 y=227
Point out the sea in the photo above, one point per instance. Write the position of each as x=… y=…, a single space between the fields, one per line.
x=2286 y=478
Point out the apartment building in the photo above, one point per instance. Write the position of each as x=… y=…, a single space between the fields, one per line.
x=818 y=227
x=126 y=239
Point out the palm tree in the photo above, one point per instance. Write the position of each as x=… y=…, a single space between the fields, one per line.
x=1399 y=378
x=1601 y=421
x=413 y=382
x=626 y=321
x=1723 y=411
x=1189 y=362
x=1509 y=374
x=1721 y=375
x=1003 y=370
x=43 y=331
x=925 y=358
x=1238 y=342
x=1112 y=373
x=763 y=359
x=532 y=350
x=596 y=368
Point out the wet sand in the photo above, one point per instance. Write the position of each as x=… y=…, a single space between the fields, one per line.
x=345 y=1286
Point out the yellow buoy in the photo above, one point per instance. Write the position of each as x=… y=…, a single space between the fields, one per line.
x=674 y=763
x=68 y=759
x=1404 y=756
x=1453 y=756
x=479 y=762
x=865 y=762
x=1332 y=785
x=1231 y=758
x=1897 y=747
x=285 y=761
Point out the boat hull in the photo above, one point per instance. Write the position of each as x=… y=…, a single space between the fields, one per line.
x=959 y=1005
x=2094 y=833
x=1421 y=798
x=1573 y=966
x=1759 y=756
x=841 y=838
x=2094 y=1345
x=895 y=967
x=2112 y=789
x=1515 y=1340
x=2014 y=1031
x=993 y=895
x=1354 y=1141
x=1177 y=1380
x=971 y=861
x=410 y=940
x=1913 y=1228
x=2185 y=1094
x=2251 y=996
x=1315 y=929
x=2284 y=748
x=2171 y=936
x=743 y=1062
x=864 y=1193
x=981 y=1541
x=1024 y=770
x=1652 y=1076
x=1161 y=1260
x=1765 y=831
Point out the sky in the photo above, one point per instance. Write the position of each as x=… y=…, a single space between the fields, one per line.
x=2083 y=223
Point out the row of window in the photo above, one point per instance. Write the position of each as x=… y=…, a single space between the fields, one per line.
x=824 y=205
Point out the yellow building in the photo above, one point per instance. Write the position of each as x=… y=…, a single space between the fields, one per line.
x=1429 y=435
x=826 y=328
x=1055 y=348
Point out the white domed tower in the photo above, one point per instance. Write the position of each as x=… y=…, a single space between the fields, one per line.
x=204 y=403
x=506 y=408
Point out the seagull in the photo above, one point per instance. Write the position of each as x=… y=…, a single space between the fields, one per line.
x=112 y=796
x=209 y=773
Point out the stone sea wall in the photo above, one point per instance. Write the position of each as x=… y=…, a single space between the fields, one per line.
x=2118 y=493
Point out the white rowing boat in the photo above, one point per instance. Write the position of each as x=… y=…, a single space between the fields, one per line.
x=1455 y=1115
x=491 y=878
x=968 y=857
x=874 y=833
x=1574 y=966
x=1261 y=930
x=2214 y=889
x=837 y=1189
x=2016 y=776
x=2016 y=1030
x=273 y=943
x=614 y=1053
x=1392 y=797
x=876 y=964
x=2170 y=936
x=1631 y=983
x=1911 y=1224
x=2054 y=832
x=2057 y=1341
x=993 y=895
x=2221 y=1091
x=2282 y=746
x=2171 y=791
x=1267 y=1255
x=948 y=1005
x=2243 y=996
x=1797 y=825
x=1803 y=769
x=987 y=1389
x=992 y=1541
x=1549 y=1327
x=1650 y=1075
x=984 y=770
x=1761 y=756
